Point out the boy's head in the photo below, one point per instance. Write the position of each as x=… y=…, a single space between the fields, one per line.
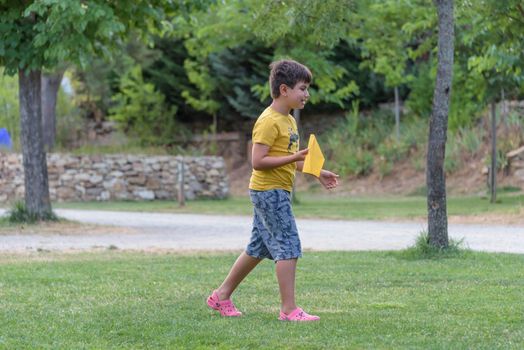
x=287 y=72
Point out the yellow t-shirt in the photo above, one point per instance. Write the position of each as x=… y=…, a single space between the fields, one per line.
x=279 y=132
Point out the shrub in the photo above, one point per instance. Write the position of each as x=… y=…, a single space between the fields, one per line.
x=141 y=111
x=452 y=160
x=471 y=139
x=352 y=160
x=384 y=166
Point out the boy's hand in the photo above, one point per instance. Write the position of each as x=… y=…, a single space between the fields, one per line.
x=328 y=179
x=301 y=155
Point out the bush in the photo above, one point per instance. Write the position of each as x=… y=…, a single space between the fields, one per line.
x=452 y=160
x=471 y=139
x=384 y=166
x=466 y=99
x=352 y=160
x=141 y=111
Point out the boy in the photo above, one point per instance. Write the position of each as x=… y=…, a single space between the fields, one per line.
x=275 y=156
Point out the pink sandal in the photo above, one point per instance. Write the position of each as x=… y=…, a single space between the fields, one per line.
x=298 y=315
x=225 y=307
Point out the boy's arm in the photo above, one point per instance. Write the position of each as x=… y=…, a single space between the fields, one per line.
x=261 y=160
x=328 y=179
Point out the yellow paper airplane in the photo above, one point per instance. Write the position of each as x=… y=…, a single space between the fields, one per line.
x=314 y=159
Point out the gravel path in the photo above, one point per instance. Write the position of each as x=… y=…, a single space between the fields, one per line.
x=214 y=232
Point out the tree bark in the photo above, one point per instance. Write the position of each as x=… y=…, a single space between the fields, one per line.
x=36 y=183
x=50 y=86
x=435 y=175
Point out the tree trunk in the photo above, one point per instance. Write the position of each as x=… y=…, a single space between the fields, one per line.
x=397 y=114
x=435 y=176
x=37 y=200
x=50 y=86
x=493 y=169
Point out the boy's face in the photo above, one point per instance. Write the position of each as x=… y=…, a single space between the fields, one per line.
x=298 y=95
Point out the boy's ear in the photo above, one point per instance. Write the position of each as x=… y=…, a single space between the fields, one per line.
x=283 y=89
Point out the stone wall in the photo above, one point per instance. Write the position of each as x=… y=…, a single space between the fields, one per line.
x=118 y=177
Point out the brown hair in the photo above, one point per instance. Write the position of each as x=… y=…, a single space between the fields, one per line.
x=287 y=72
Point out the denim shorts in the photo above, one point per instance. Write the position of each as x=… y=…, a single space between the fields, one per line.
x=274 y=235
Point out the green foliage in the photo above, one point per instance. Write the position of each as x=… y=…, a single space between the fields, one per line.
x=236 y=70
x=315 y=23
x=390 y=151
x=93 y=88
x=95 y=84
x=453 y=154
x=20 y=215
x=421 y=90
x=502 y=160
x=360 y=142
x=371 y=86
x=390 y=49
x=495 y=47
x=511 y=135
x=9 y=107
x=198 y=74
x=471 y=139
x=142 y=112
x=467 y=98
x=168 y=75
x=224 y=26
x=42 y=34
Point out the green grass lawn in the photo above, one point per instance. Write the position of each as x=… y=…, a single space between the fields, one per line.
x=378 y=300
x=325 y=206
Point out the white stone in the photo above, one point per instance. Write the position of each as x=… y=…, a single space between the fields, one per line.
x=116 y=173
x=144 y=194
x=96 y=179
x=82 y=177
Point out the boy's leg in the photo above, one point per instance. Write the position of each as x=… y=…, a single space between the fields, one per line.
x=240 y=269
x=285 y=270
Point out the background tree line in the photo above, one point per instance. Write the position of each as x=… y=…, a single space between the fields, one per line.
x=209 y=61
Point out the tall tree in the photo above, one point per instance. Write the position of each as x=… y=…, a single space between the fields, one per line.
x=390 y=50
x=498 y=57
x=305 y=30
x=435 y=175
x=39 y=34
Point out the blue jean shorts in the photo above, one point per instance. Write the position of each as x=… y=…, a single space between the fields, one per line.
x=274 y=235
